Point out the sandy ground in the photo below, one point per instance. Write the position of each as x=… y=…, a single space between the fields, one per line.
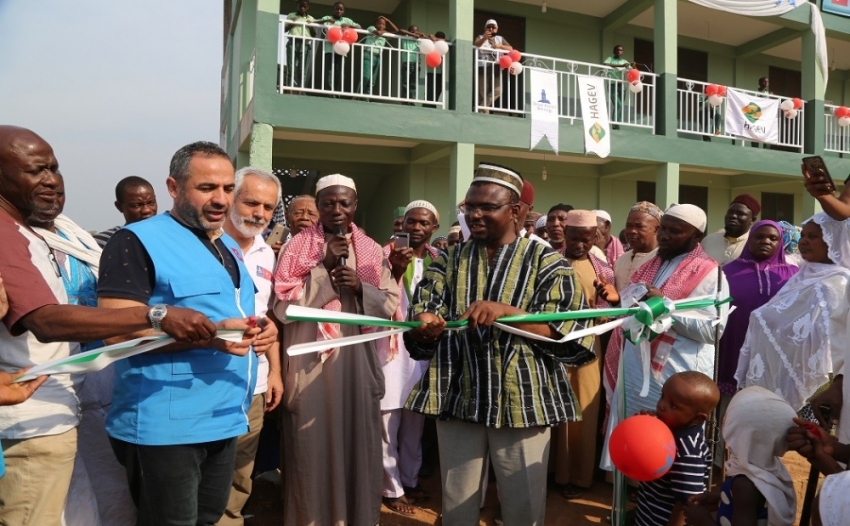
x=265 y=507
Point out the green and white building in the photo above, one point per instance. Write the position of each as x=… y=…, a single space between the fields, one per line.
x=402 y=145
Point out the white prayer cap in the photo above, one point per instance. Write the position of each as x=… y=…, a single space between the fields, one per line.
x=421 y=203
x=541 y=222
x=491 y=22
x=335 y=180
x=690 y=214
x=455 y=229
x=603 y=215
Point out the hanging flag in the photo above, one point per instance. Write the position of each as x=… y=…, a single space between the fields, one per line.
x=751 y=116
x=594 y=114
x=544 y=107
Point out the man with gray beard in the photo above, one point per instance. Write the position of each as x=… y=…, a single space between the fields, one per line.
x=255 y=196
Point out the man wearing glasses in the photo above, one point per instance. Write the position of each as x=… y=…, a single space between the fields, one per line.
x=495 y=391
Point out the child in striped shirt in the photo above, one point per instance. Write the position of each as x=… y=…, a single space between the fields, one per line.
x=687 y=400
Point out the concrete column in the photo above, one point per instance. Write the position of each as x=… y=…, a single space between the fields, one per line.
x=666 y=56
x=260 y=153
x=813 y=89
x=666 y=184
x=462 y=166
x=810 y=207
x=461 y=63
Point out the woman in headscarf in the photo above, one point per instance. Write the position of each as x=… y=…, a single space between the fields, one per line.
x=758 y=486
x=754 y=278
x=788 y=349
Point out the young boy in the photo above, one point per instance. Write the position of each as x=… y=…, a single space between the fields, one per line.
x=372 y=44
x=686 y=402
x=300 y=47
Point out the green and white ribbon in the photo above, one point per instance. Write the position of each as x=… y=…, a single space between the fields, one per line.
x=642 y=322
x=98 y=359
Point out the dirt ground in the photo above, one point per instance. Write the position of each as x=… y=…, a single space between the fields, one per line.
x=265 y=507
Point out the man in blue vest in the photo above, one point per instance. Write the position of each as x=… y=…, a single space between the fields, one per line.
x=176 y=415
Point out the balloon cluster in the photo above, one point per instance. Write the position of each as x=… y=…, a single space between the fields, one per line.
x=433 y=51
x=790 y=107
x=715 y=94
x=842 y=113
x=342 y=39
x=511 y=62
x=635 y=85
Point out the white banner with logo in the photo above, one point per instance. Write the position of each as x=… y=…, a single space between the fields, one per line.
x=751 y=116
x=594 y=114
x=544 y=107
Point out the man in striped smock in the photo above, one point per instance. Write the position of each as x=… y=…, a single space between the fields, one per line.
x=495 y=391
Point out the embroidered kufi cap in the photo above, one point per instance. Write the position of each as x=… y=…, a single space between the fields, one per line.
x=421 y=203
x=581 y=219
x=501 y=175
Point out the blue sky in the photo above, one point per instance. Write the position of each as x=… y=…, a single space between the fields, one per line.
x=115 y=87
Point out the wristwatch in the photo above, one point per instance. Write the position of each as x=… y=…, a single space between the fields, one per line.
x=156 y=314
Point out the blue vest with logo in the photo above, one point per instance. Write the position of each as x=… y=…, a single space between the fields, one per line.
x=193 y=396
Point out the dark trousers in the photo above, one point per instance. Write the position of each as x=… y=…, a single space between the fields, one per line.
x=183 y=485
x=298 y=57
x=335 y=72
x=409 y=79
x=434 y=86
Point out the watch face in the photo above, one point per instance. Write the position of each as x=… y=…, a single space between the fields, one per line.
x=158 y=312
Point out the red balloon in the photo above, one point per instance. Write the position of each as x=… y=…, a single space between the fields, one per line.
x=505 y=61
x=349 y=35
x=798 y=103
x=642 y=448
x=515 y=55
x=433 y=59
x=842 y=111
x=711 y=89
x=334 y=34
x=721 y=91
x=633 y=75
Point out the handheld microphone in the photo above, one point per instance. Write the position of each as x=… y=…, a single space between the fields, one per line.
x=338 y=231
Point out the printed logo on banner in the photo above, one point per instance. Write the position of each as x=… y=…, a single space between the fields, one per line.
x=594 y=115
x=752 y=116
x=545 y=120
x=752 y=112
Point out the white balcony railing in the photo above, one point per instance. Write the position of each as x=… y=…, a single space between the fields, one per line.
x=836 y=138
x=496 y=90
x=308 y=64
x=698 y=117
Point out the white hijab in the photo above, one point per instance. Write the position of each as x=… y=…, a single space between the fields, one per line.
x=755 y=428
x=791 y=341
x=834 y=505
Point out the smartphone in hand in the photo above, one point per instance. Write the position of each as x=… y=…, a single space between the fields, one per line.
x=278 y=234
x=815 y=167
x=402 y=240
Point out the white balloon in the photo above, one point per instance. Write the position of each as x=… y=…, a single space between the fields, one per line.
x=786 y=105
x=715 y=100
x=844 y=122
x=791 y=114
x=441 y=47
x=516 y=68
x=426 y=46
x=342 y=48
x=636 y=86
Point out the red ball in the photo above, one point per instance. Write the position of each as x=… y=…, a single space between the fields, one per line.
x=515 y=55
x=505 y=61
x=633 y=75
x=712 y=89
x=798 y=103
x=642 y=448
x=842 y=111
x=334 y=34
x=433 y=59
x=349 y=35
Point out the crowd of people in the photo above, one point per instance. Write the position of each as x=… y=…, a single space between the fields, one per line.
x=171 y=436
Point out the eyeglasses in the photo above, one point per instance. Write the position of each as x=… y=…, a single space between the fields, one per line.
x=484 y=209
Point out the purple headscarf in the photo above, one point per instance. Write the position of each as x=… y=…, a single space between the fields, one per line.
x=752 y=283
